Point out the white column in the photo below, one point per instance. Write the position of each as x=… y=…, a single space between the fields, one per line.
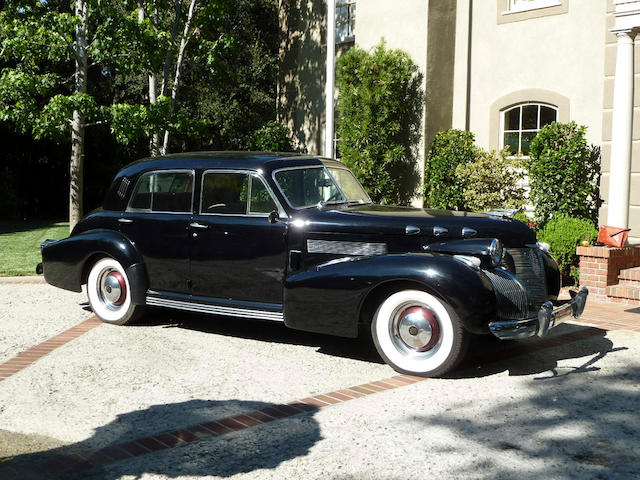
x=330 y=82
x=621 y=132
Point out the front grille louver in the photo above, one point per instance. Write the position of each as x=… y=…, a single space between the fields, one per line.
x=520 y=284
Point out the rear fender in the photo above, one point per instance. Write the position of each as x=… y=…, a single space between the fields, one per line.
x=66 y=261
x=329 y=298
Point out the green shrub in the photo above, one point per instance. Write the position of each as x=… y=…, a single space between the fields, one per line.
x=564 y=173
x=272 y=137
x=563 y=233
x=378 y=121
x=491 y=180
x=442 y=187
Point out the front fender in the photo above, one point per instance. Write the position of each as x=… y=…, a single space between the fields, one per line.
x=64 y=261
x=329 y=298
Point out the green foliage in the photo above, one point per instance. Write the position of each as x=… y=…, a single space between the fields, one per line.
x=524 y=218
x=564 y=173
x=442 y=187
x=378 y=121
x=564 y=233
x=272 y=137
x=491 y=180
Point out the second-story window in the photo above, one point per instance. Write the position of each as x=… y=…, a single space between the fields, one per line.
x=524 y=5
x=345 y=21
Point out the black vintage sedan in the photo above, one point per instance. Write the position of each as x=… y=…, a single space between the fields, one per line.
x=296 y=239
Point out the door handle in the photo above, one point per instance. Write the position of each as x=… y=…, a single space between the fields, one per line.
x=125 y=220
x=198 y=226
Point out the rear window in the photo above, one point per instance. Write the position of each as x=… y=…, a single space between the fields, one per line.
x=163 y=192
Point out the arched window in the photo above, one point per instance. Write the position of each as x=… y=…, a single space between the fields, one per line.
x=521 y=123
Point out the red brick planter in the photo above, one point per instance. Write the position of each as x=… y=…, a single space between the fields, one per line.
x=600 y=268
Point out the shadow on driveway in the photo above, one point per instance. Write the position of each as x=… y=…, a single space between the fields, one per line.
x=261 y=447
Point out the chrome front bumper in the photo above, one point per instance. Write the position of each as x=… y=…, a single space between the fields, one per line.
x=545 y=320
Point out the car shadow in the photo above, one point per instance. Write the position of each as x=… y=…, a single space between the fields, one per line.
x=262 y=447
x=489 y=355
x=361 y=348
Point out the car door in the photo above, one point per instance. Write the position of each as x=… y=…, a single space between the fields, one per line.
x=157 y=222
x=236 y=253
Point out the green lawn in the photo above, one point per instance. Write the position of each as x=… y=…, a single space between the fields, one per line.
x=20 y=244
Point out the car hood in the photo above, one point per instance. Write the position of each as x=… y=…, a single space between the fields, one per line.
x=387 y=220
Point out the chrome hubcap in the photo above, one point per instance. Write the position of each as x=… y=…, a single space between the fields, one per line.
x=113 y=288
x=416 y=327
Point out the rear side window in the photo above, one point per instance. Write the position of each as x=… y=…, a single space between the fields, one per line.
x=163 y=192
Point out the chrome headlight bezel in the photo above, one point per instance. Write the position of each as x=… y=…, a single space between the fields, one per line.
x=496 y=251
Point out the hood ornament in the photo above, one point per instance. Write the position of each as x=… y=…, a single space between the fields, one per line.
x=502 y=212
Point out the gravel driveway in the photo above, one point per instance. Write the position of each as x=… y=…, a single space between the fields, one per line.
x=565 y=407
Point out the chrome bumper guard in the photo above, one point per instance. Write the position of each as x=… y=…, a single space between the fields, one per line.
x=546 y=319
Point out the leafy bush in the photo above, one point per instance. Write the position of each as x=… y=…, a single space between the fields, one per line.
x=272 y=137
x=563 y=233
x=564 y=173
x=527 y=220
x=442 y=187
x=491 y=180
x=378 y=121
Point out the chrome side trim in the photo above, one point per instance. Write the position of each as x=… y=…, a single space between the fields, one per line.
x=215 y=309
x=440 y=231
x=346 y=248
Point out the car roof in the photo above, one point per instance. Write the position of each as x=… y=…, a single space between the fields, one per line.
x=267 y=161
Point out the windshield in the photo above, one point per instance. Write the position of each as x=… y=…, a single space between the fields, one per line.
x=307 y=187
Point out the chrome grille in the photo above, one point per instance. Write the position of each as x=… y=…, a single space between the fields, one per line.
x=528 y=266
x=346 y=248
x=511 y=294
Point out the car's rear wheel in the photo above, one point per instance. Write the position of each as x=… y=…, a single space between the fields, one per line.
x=109 y=293
x=417 y=333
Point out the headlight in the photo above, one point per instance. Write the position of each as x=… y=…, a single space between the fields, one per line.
x=543 y=246
x=495 y=252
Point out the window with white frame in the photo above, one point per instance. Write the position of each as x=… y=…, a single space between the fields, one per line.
x=514 y=6
x=520 y=124
x=345 y=21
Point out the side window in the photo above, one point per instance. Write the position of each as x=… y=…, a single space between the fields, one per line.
x=163 y=192
x=172 y=192
x=225 y=193
x=261 y=201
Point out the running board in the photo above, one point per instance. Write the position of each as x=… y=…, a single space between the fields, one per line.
x=215 y=309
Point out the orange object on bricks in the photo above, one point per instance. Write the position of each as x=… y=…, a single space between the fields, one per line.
x=613 y=236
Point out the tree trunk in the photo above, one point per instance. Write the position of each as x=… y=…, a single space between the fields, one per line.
x=154 y=141
x=77 y=123
x=176 y=78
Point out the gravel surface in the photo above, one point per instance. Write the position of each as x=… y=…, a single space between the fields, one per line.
x=30 y=314
x=568 y=411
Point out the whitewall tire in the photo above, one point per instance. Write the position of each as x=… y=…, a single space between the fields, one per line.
x=416 y=333
x=109 y=292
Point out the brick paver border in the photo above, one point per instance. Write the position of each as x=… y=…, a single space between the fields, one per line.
x=32 y=355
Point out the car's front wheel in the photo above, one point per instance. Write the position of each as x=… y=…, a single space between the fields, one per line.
x=109 y=293
x=416 y=333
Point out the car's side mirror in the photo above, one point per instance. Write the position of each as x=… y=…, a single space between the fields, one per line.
x=274 y=216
